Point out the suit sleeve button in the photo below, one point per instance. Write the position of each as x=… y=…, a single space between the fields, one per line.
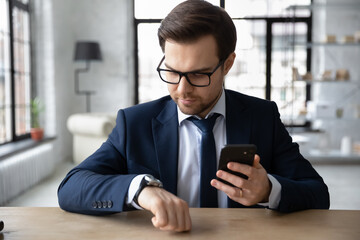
x=94 y=204
x=109 y=204
x=99 y=204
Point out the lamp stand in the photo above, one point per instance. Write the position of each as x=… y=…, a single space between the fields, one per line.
x=77 y=91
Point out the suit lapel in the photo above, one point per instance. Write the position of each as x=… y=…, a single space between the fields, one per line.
x=165 y=129
x=238 y=121
x=238 y=127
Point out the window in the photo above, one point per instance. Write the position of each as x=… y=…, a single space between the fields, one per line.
x=263 y=66
x=15 y=70
x=148 y=84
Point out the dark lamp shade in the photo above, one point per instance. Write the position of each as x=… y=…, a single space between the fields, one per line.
x=87 y=51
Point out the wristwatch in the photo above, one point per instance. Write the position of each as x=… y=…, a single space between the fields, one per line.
x=148 y=180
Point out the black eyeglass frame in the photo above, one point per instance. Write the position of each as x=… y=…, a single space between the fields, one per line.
x=185 y=74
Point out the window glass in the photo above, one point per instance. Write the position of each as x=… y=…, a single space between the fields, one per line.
x=248 y=72
x=150 y=54
x=157 y=9
x=22 y=71
x=22 y=105
x=26 y=69
x=5 y=107
x=263 y=8
x=281 y=7
x=4 y=16
x=4 y=52
x=21 y=25
x=290 y=95
x=5 y=121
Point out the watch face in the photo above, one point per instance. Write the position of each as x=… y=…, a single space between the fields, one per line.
x=151 y=181
x=149 y=178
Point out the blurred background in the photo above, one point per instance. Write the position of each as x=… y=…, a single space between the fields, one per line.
x=67 y=67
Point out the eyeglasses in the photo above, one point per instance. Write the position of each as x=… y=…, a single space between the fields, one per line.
x=197 y=79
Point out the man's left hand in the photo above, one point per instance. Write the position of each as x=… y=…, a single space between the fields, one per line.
x=255 y=189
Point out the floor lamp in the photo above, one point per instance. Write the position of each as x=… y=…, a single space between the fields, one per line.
x=85 y=51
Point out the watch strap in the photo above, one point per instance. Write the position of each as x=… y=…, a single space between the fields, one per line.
x=145 y=183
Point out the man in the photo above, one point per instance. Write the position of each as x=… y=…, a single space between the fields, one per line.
x=162 y=139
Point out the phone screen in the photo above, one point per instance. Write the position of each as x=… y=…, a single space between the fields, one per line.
x=241 y=153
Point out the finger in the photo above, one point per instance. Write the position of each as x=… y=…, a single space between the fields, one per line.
x=240 y=193
x=233 y=179
x=183 y=220
x=257 y=162
x=239 y=167
x=183 y=224
x=181 y=209
x=172 y=217
x=187 y=220
x=160 y=218
x=244 y=168
x=178 y=209
x=234 y=193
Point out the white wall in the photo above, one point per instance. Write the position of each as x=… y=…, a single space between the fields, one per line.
x=57 y=25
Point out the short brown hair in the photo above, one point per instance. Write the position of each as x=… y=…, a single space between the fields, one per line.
x=193 y=19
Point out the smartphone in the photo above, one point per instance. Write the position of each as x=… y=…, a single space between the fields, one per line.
x=241 y=153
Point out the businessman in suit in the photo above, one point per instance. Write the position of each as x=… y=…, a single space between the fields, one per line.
x=154 y=156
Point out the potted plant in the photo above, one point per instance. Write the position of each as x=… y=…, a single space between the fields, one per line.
x=37 y=107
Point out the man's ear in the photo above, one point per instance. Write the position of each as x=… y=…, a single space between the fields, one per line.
x=229 y=62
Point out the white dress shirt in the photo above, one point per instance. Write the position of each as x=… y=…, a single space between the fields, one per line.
x=188 y=185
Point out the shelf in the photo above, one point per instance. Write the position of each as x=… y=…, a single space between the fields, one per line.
x=348 y=119
x=329 y=81
x=326 y=44
x=332 y=156
x=324 y=5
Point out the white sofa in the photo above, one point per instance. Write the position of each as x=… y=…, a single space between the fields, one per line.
x=89 y=131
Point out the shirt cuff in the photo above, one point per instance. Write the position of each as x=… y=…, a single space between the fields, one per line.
x=275 y=194
x=134 y=186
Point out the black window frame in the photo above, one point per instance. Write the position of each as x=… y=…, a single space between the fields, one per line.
x=12 y=4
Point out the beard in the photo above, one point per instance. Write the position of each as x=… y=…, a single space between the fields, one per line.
x=197 y=106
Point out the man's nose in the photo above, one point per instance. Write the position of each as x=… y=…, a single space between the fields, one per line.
x=184 y=86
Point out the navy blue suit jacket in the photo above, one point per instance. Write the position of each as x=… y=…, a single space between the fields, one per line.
x=145 y=140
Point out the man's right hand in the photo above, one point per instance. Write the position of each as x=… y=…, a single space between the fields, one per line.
x=171 y=213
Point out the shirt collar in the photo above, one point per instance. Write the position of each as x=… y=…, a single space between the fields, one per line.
x=218 y=108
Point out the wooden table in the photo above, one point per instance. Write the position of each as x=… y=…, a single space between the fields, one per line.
x=54 y=223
